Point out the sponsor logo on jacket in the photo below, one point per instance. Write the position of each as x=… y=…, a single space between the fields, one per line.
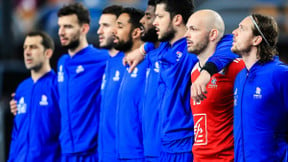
x=21 y=106
x=44 y=100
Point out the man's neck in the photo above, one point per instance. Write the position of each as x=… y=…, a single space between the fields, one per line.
x=156 y=44
x=179 y=34
x=37 y=75
x=136 y=45
x=113 y=52
x=83 y=44
x=206 y=54
x=250 y=58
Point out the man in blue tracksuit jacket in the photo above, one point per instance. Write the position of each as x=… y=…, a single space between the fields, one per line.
x=175 y=68
x=129 y=140
x=79 y=81
x=110 y=84
x=260 y=93
x=36 y=124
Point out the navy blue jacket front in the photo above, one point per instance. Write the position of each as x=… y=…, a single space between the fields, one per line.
x=36 y=124
x=79 y=82
x=261 y=113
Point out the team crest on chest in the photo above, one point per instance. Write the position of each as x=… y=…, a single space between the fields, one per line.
x=103 y=81
x=79 y=69
x=157 y=67
x=257 y=94
x=116 y=76
x=21 y=106
x=213 y=83
x=179 y=55
x=44 y=100
x=60 y=74
x=134 y=73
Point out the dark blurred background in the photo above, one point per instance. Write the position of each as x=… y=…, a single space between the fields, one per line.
x=17 y=17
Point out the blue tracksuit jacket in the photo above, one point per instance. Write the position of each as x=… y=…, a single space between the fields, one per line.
x=79 y=82
x=151 y=105
x=129 y=137
x=261 y=113
x=109 y=93
x=36 y=125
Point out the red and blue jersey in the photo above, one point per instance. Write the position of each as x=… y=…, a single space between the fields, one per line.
x=36 y=125
x=261 y=113
x=79 y=83
x=109 y=93
x=176 y=119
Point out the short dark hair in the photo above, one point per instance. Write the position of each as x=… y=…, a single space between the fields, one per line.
x=135 y=16
x=184 y=7
x=114 y=10
x=268 y=26
x=78 y=9
x=151 y=3
x=47 y=41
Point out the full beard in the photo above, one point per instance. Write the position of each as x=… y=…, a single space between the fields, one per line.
x=75 y=41
x=169 y=35
x=150 y=36
x=124 y=46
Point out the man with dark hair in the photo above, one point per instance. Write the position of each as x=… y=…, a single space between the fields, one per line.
x=110 y=84
x=79 y=81
x=35 y=105
x=260 y=93
x=176 y=122
x=129 y=140
x=175 y=68
x=151 y=98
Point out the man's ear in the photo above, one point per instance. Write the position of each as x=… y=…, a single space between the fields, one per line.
x=257 y=40
x=48 y=53
x=177 y=20
x=85 y=28
x=136 y=33
x=213 y=35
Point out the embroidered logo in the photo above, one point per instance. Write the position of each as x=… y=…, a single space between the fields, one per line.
x=235 y=97
x=103 y=81
x=147 y=72
x=134 y=73
x=157 y=67
x=44 y=100
x=60 y=75
x=200 y=129
x=257 y=94
x=116 y=76
x=213 y=83
x=178 y=55
x=79 y=69
x=21 y=106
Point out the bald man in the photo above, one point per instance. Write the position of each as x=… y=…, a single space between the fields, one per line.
x=213 y=116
